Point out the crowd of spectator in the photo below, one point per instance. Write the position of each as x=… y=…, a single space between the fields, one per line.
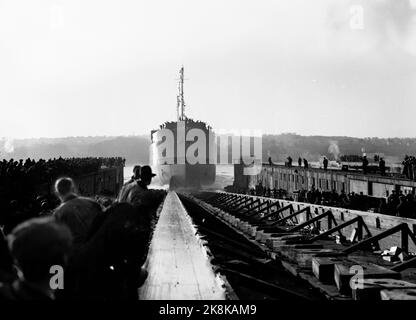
x=25 y=184
x=397 y=204
x=101 y=244
x=191 y=122
x=43 y=170
x=365 y=167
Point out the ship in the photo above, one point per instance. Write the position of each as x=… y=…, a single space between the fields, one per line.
x=173 y=151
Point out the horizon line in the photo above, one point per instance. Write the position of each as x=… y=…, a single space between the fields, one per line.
x=146 y=134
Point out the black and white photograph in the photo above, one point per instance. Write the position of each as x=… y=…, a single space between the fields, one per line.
x=207 y=158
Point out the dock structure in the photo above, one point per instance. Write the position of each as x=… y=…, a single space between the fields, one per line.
x=328 y=250
x=296 y=178
x=221 y=245
x=178 y=265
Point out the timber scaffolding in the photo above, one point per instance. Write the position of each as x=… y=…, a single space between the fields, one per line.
x=334 y=250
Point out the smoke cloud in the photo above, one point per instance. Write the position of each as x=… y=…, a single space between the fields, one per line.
x=8 y=146
x=334 y=149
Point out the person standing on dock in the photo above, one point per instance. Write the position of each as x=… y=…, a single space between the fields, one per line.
x=325 y=163
x=125 y=190
x=365 y=165
x=78 y=213
x=136 y=174
x=305 y=163
x=289 y=161
x=382 y=166
x=300 y=162
x=139 y=187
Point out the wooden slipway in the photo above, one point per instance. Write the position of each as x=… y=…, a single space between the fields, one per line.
x=178 y=265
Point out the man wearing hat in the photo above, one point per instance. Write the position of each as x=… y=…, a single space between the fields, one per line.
x=139 y=188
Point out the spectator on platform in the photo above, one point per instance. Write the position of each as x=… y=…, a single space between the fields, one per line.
x=403 y=209
x=361 y=202
x=343 y=199
x=318 y=196
x=383 y=208
x=78 y=213
x=300 y=162
x=305 y=163
x=138 y=194
x=36 y=245
x=27 y=182
x=406 y=207
x=7 y=270
x=393 y=201
x=136 y=174
x=365 y=165
x=382 y=166
x=108 y=266
x=127 y=187
x=13 y=216
x=325 y=161
x=289 y=161
x=44 y=209
x=409 y=167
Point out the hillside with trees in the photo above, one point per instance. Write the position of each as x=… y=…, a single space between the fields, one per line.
x=136 y=148
x=314 y=147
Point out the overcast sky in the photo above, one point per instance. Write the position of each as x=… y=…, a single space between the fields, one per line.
x=98 y=67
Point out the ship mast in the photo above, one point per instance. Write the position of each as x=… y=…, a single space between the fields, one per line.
x=180 y=98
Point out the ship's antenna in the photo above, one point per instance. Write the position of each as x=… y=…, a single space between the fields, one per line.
x=177 y=107
x=181 y=100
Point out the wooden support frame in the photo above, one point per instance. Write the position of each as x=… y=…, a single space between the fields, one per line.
x=405 y=265
x=229 y=201
x=242 y=200
x=277 y=212
x=249 y=204
x=223 y=198
x=327 y=214
x=360 y=226
x=291 y=216
x=250 y=212
x=257 y=220
x=405 y=234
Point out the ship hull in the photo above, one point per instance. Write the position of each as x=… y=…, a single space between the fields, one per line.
x=186 y=175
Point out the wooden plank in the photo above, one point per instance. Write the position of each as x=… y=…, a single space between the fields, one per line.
x=343 y=273
x=370 y=288
x=398 y=294
x=304 y=253
x=275 y=243
x=177 y=263
x=323 y=268
x=304 y=256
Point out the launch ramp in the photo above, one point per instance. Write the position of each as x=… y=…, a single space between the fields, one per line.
x=177 y=262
